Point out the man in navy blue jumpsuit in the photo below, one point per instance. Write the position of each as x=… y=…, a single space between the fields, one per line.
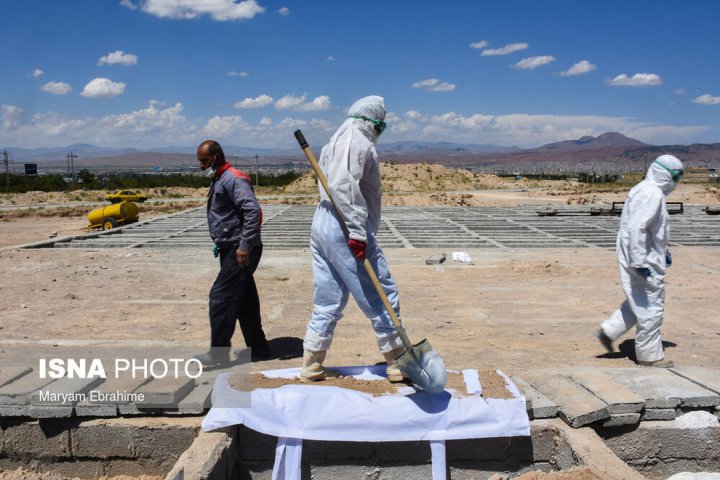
x=234 y=220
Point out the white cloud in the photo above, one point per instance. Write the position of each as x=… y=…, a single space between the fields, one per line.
x=480 y=44
x=265 y=121
x=434 y=85
x=103 y=88
x=507 y=49
x=529 y=131
x=284 y=11
x=292 y=123
x=220 y=10
x=531 y=63
x=128 y=4
x=118 y=57
x=289 y=101
x=298 y=104
x=317 y=104
x=637 y=80
x=11 y=116
x=579 y=68
x=233 y=73
x=330 y=58
x=257 y=102
x=707 y=99
x=219 y=127
x=51 y=124
x=37 y=73
x=56 y=88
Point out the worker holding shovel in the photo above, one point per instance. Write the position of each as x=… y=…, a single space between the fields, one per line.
x=347 y=259
x=350 y=163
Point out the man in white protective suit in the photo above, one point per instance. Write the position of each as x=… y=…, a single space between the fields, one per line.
x=351 y=165
x=642 y=251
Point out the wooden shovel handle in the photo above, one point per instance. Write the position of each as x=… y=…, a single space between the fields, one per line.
x=366 y=263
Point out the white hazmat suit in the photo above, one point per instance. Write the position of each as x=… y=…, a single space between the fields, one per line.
x=351 y=165
x=642 y=249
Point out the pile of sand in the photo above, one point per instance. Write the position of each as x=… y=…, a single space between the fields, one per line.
x=418 y=177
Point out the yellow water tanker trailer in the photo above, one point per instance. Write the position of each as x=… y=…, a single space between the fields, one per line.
x=113 y=215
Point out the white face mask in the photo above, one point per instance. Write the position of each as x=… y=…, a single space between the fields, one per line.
x=210 y=171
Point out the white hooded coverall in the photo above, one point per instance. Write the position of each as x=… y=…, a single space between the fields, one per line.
x=642 y=242
x=351 y=165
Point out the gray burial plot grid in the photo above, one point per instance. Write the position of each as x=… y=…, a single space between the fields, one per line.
x=288 y=227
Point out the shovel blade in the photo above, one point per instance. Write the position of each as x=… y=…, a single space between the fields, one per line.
x=424 y=367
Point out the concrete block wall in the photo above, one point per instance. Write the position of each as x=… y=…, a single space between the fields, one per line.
x=660 y=449
x=477 y=458
x=96 y=447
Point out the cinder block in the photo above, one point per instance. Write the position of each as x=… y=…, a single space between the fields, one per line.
x=515 y=449
x=255 y=446
x=319 y=451
x=543 y=438
x=132 y=439
x=39 y=440
x=411 y=452
x=212 y=455
x=619 y=419
x=659 y=414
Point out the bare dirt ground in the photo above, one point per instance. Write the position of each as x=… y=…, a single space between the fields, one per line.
x=513 y=310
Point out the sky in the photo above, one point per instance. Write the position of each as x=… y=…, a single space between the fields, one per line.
x=162 y=73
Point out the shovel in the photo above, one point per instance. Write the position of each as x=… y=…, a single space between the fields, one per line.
x=419 y=362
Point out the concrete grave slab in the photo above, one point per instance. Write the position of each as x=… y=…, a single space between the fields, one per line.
x=18 y=392
x=577 y=405
x=709 y=379
x=122 y=385
x=165 y=392
x=619 y=398
x=12 y=373
x=57 y=399
x=539 y=406
x=663 y=389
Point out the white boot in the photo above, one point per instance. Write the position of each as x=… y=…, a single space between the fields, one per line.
x=393 y=370
x=312 y=369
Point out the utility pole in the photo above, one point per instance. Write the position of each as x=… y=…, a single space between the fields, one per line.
x=71 y=164
x=257 y=175
x=6 y=161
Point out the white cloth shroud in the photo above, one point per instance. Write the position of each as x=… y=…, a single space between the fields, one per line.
x=329 y=413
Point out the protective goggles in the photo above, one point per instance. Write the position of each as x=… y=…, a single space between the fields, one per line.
x=675 y=173
x=379 y=125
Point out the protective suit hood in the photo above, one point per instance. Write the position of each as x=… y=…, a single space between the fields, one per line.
x=661 y=176
x=372 y=107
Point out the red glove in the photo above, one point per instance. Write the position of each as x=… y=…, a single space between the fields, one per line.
x=357 y=247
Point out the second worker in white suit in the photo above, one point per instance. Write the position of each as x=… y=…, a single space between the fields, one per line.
x=350 y=163
x=642 y=252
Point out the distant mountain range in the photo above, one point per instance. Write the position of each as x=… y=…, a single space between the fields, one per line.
x=606 y=150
